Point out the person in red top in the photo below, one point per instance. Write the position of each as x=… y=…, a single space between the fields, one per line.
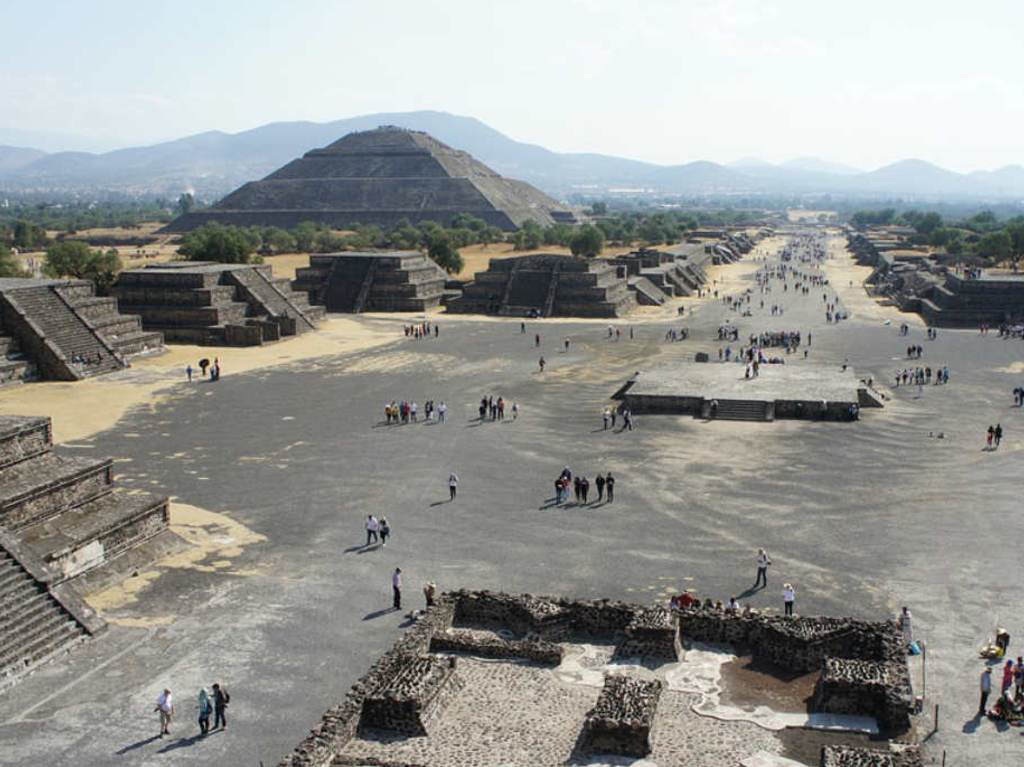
x=1007 y=676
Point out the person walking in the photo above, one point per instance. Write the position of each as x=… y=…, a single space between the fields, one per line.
x=600 y=487
x=986 y=689
x=372 y=527
x=205 y=709
x=609 y=485
x=788 y=597
x=221 y=698
x=1007 y=677
x=584 y=489
x=541 y=363
x=515 y=410
x=763 y=562
x=396 y=588
x=165 y=707
x=990 y=435
x=453 y=485
x=385 y=531
x=188 y=372
x=536 y=341
x=998 y=433
x=606 y=416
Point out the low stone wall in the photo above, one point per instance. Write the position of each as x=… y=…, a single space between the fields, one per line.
x=341 y=722
x=532 y=649
x=864 y=687
x=653 y=633
x=868 y=672
x=849 y=756
x=621 y=720
x=413 y=697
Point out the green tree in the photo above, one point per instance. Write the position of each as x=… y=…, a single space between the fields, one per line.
x=9 y=265
x=599 y=208
x=994 y=246
x=186 y=204
x=587 y=241
x=305 y=236
x=276 y=240
x=28 y=236
x=223 y=244
x=444 y=254
x=71 y=258
x=529 y=237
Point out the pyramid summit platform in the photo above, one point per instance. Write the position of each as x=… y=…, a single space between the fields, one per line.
x=381 y=177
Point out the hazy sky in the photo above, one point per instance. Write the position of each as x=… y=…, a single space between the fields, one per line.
x=670 y=81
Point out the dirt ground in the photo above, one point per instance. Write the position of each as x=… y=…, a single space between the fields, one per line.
x=746 y=682
x=81 y=409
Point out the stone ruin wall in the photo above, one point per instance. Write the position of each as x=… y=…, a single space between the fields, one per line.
x=870 y=676
x=799 y=644
x=849 y=756
x=621 y=720
x=413 y=697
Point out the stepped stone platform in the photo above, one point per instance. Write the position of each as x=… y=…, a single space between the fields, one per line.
x=944 y=297
x=60 y=329
x=720 y=391
x=353 y=282
x=471 y=705
x=547 y=285
x=216 y=304
x=381 y=177
x=61 y=520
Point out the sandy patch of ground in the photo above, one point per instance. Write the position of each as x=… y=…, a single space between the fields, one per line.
x=82 y=408
x=214 y=541
x=848 y=278
x=798 y=215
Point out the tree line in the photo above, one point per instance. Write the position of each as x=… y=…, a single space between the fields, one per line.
x=982 y=236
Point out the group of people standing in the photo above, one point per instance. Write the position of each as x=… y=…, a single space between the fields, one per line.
x=213 y=703
x=204 y=365
x=495 y=409
x=406 y=412
x=580 y=486
x=422 y=330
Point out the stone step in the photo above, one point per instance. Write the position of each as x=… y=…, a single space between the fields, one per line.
x=26 y=652
x=47 y=484
x=97 y=531
x=740 y=410
x=137 y=342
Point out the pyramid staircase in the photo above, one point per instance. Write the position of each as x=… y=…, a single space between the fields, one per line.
x=62 y=330
x=383 y=281
x=62 y=524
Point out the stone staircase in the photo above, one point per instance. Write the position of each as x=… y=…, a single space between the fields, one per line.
x=378 y=281
x=61 y=519
x=270 y=300
x=549 y=299
x=34 y=626
x=14 y=366
x=81 y=349
x=364 y=289
x=739 y=410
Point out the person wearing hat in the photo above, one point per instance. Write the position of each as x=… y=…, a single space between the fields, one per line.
x=788 y=597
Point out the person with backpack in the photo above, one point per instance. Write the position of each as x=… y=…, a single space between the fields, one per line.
x=385 y=531
x=221 y=698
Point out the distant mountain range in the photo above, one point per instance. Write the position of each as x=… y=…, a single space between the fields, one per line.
x=213 y=163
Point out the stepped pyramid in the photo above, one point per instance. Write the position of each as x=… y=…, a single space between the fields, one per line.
x=64 y=528
x=381 y=177
x=60 y=329
x=202 y=302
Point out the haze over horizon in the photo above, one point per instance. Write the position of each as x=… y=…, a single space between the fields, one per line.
x=715 y=81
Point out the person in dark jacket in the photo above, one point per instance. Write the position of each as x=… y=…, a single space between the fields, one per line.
x=221 y=698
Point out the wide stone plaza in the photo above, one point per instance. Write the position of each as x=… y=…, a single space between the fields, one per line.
x=274 y=469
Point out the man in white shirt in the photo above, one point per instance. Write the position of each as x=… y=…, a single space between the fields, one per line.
x=396 y=587
x=442 y=412
x=165 y=705
x=372 y=526
x=762 y=568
